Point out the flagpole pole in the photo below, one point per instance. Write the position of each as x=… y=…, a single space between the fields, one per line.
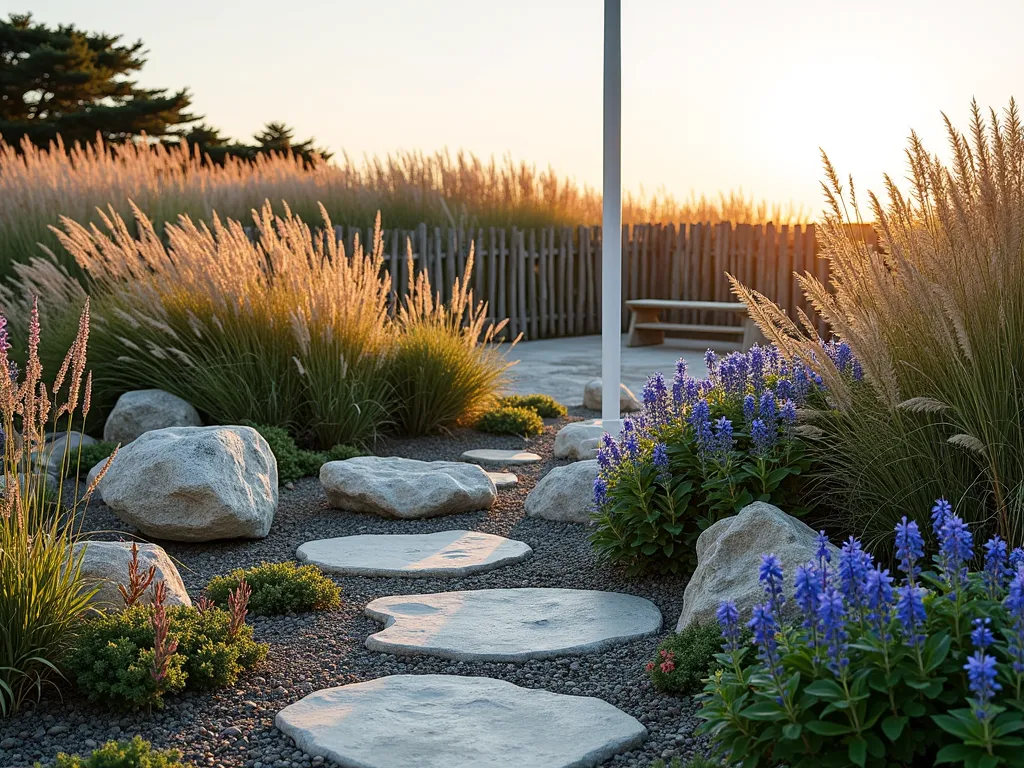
x=611 y=239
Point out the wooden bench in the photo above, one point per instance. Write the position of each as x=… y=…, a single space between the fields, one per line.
x=647 y=329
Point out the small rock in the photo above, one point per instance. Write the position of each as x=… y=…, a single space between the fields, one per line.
x=565 y=493
x=592 y=397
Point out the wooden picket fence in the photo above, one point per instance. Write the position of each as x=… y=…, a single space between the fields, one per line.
x=547 y=282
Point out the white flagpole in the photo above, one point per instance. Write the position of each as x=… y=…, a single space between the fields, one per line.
x=611 y=231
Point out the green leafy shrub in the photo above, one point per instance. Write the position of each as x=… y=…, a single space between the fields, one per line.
x=700 y=453
x=544 y=405
x=685 y=659
x=113 y=659
x=279 y=588
x=294 y=463
x=507 y=420
x=693 y=762
x=874 y=672
x=936 y=318
x=136 y=753
x=93 y=454
x=42 y=596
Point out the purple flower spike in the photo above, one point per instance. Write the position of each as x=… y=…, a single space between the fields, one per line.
x=729 y=618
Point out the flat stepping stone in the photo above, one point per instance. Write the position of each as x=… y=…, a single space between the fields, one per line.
x=447 y=721
x=503 y=480
x=446 y=553
x=500 y=458
x=509 y=625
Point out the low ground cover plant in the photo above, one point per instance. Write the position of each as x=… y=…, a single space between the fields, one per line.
x=294 y=463
x=42 y=596
x=545 y=406
x=511 y=420
x=278 y=588
x=132 y=659
x=686 y=659
x=91 y=455
x=922 y=668
x=136 y=753
x=936 y=319
x=702 y=450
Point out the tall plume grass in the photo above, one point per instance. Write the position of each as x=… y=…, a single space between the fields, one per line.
x=936 y=318
x=37 y=186
x=284 y=329
x=42 y=596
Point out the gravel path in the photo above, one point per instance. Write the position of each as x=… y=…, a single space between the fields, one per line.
x=233 y=728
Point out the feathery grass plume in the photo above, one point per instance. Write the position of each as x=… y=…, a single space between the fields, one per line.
x=936 y=319
x=166 y=181
x=42 y=597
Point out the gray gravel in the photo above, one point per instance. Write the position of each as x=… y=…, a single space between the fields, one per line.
x=233 y=728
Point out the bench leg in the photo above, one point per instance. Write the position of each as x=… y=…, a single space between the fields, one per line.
x=752 y=334
x=644 y=337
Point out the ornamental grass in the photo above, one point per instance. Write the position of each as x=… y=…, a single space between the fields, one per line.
x=935 y=318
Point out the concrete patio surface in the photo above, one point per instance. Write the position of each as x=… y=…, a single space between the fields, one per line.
x=561 y=368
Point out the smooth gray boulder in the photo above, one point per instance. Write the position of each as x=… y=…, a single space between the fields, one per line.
x=417 y=555
x=572 y=440
x=509 y=625
x=91 y=477
x=496 y=457
x=105 y=563
x=144 y=410
x=195 y=484
x=593 y=397
x=729 y=557
x=565 y=493
x=405 y=488
x=450 y=721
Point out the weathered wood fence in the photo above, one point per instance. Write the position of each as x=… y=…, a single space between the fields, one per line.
x=547 y=282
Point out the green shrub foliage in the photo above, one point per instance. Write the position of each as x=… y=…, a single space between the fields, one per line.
x=92 y=455
x=294 y=463
x=136 y=753
x=279 y=588
x=508 y=420
x=545 y=406
x=685 y=660
x=112 y=660
x=701 y=452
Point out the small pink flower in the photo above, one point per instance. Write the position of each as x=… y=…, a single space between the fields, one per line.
x=650 y=666
x=667 y=666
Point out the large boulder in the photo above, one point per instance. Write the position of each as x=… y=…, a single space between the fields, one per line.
x=195 y=484
x=592 y=397
x=572 y=440
x=729 y=557
x=144 y=410
x=405 y=488
x=565 y=493
x=106 y=564
x=51 y=454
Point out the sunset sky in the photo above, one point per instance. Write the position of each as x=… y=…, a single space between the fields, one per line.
x=716 y=95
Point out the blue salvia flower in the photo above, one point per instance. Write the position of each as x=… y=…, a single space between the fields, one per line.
x=608 y=455
x=763 y=437
x=911 y=614
x=723 y=442
x=858 y=371
x=854 y=566
x=764 y=627
x=956 y=548
x=823 y=553
x=1014 y=604
x=711 y=362
x=807 y=595
x=600 y=491
x=655 y=397
x=729 y=619
x=766 y=407
x=773 y=360
x=681 y=367
x=733 y=372
x=755 y=362
x=788 y=413
x=981 y=635
x=840 y=354
x=630 y=446
x=1016 y=559
x=995 y=572
x=981 y=675
x=770 y=576
x=909 y=548
x=749 y=408
x=660 y=456
x=693 y=389
x=832 y=613
x=941 y=509
x=784 y=390
x=700 y=421
x=801 y=382
x=878 y=591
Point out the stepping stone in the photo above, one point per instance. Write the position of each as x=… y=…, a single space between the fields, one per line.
x=509 y=625
x=496 y=457
x=446 y=553
x=447 y=721
x=503 y=480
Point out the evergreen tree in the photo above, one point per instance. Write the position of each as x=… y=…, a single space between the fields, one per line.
x=278 y=137
x=66 y=81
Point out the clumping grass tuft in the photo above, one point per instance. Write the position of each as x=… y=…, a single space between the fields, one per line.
x=506 y=420
x=136 y=753
x=544 y=406
x=279 y=588
x=936 y=320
